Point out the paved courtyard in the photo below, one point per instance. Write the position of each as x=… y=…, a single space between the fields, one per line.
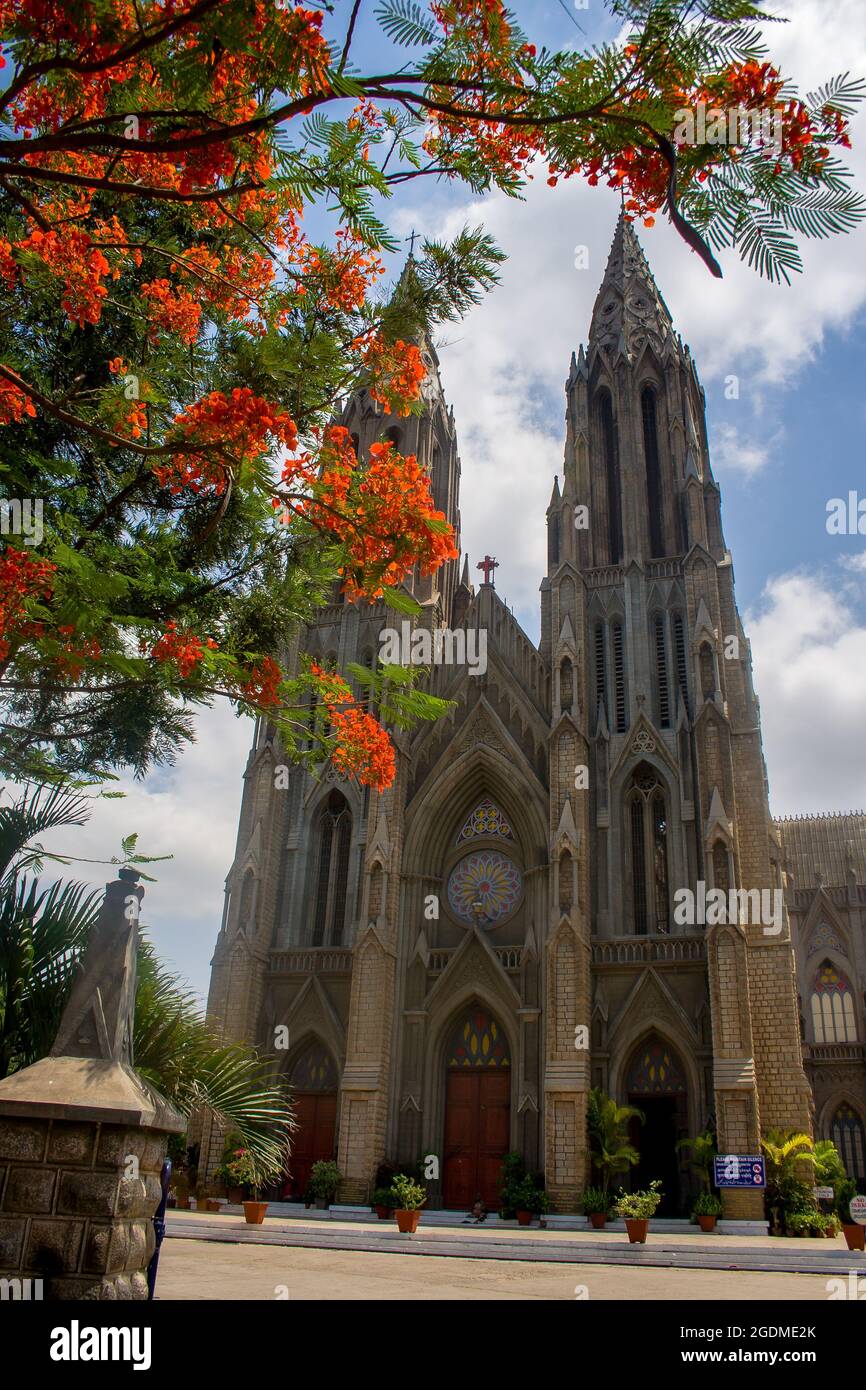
x=195 y=1269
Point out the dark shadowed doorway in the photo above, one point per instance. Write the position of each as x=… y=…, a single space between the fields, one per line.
x=655 y=1083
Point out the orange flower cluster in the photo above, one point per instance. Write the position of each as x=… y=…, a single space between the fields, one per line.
x=125 y=417
x=22 y=578
x=78 y=258
x=8 y=268
x=72 y=256
x=184 y=649
x=243 y=425
x=232 y=282
x=14 y=404
x=363 y=748
x=396 y=373
x=173 y=311
x=262 y=686
x=382 y=513
x=75 y=656
x=343 y=276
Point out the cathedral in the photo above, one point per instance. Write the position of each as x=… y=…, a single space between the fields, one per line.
x=575 y=880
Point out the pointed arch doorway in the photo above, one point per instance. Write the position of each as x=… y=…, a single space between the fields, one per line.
x=314 y=1083
x=477 y=1110
x=656 y=1084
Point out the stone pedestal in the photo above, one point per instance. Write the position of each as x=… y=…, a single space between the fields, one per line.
x=78 y=1198
x=83 y=1137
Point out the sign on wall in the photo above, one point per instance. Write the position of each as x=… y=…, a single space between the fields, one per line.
x=739 y=1170
x=858 y=1210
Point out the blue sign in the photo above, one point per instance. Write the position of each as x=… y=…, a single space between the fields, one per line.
x=739 y=1170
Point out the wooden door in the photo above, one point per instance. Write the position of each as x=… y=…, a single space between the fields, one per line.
x=477 y=1114
x=316 y=1116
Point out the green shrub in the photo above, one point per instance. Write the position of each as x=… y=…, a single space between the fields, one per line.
x=639 y=1206
x=382 y=1197
x=406 y=1194
x=528 y=1196
x=707 y=1204
x=325 y=1178
x=596 y=1199
x=806 y=1223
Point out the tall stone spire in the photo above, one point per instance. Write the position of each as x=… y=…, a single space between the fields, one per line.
x=629 y=310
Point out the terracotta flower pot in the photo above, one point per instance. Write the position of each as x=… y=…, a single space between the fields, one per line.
x=383 y=1213
x=597 y=1220
x=707 y=1223
x=183 y=1203
x=407 y=1221
x=855 y=1236
x=636 y=1230
x=322 y=1203
x=254 y=1212
x=524 y=1218
x=211 y=1204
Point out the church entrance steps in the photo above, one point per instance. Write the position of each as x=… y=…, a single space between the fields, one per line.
x=761 y=1254
x=668 y=1226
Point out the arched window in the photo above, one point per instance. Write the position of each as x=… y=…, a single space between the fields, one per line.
x=334 y=832
x=393 y=437
x=653 y=471
x=245 y=907
x=566 y=685
x=721 y=875
x=708 y=671
x=610 y=450
x=647 y=827
x=356 y=443
x=663 y=693
x=618 y=677
x=681 y=660
x=600 y=671
x=565 y=882
x=847 y=1134
x=553 y=540
x=833 y=1018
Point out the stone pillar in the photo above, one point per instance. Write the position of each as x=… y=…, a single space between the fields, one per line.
x=83 y=1137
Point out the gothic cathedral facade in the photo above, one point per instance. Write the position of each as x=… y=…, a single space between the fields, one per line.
x=452 y=964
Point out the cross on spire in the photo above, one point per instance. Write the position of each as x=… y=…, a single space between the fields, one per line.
x=488 y=565
x=412 y=238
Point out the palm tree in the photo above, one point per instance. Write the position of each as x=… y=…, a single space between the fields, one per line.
x=784 y=1150
x=829 y=1168
x=703 y=1148
x=44 y=932
x=609 y=1143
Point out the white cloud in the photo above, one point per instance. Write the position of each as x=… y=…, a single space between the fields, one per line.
x=189 y=811
x=809 y=652
x=732 y=453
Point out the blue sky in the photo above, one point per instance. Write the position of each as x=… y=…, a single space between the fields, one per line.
x=792 y=441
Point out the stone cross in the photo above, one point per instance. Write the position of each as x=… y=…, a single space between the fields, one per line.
x=488 y=565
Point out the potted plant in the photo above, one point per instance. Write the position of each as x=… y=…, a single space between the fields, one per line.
x=252 y=1174
x=636 y=1208
x=180 y=1186
x=596 y=1205
x=408 y=1197
x=610 y=1148
x=325 y=1178
x=227 y=1172
x=854 y=1233
x=529 y=1200
x=706 y=1210
x=512 y=1173
x=382 y=1202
